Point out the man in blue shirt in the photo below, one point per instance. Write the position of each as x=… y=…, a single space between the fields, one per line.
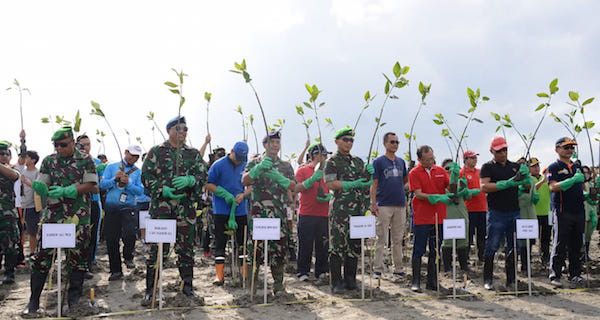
x=122 y=183
x=225 y=182
x=388 y=203
x=566 y=183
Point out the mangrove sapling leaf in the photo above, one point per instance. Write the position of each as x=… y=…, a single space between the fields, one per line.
x=305 y=122
x=97 y=111
x=553 y=88
x=241 y=68
x=313 y=92
x=240 y=111
x=330 y=124
x=586 y=125
x=207 y=98
x=367 y=97
x=177 y=89
x=150 y=116
x=251 y=121
x=17 y=86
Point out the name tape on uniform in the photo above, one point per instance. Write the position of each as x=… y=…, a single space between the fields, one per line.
x=58 y=235
x=266 y=229
x=144 y=215
x=161 y=230
x=527 y=228
x=454 y=229
x=362 y=227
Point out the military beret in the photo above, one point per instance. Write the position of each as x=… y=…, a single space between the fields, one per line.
x=274 y=134
x=345 y=131
x=175 y=121
x=62 y=133
x=4 y=145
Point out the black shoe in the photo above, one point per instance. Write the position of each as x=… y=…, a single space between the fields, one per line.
x=350 y=266
x=129 y=264
x=335 y=267
x=488 y=272
x=147 y=300
x=37 y=285
x=187 y=274
x=88 y=275
x=115 y=276
x=9 y=277
x=416 y=275
x=75 y=287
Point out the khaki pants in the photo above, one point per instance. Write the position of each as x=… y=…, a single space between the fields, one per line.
x=390 y=219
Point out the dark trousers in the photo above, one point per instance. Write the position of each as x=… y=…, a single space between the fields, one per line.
x=313 y=232
x=425 y=236
x=119 y=224
x=220 y=223
x=545 y=234
x=568 y=239
x=477 y=228
x=95 y=224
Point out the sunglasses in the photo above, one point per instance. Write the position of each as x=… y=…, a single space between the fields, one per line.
x=394 y=142
x=348 y=139
x=61 y=144
x=4 y=153
x=181 y=128
x=568 y=148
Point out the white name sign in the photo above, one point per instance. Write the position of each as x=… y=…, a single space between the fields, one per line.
x=144 y=215
x=454 y=229
x=161 y=230
x=527 y=228
x=266 y=229
x=58 y=235
x=362 y=227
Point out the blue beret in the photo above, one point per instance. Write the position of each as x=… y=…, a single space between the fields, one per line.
x=175 y=121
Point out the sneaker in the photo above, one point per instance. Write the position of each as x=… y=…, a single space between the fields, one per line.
x=556 y=283
x=129 y=264
x=115 y=276
x=415 y=288
x=400 y=274
x=376 y=275
x=577 y=280
x=488 y=286
x=302 y=277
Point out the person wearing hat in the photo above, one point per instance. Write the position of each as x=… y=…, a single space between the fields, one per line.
x=500 y=179
x=350 y=181
x=9 y=217
x=566 y=183
x=477 y=205
x=230 y=207
x=542 y=208
x=271 y=179
x=388 y=203
x=66 y=179
x=174 y=174
x=122 y=183
x=313 y=226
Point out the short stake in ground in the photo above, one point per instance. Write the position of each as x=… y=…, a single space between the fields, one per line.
x=362 y=227
x=527 y=229
x=454 y=229
x=58 y=236
x=266 y=229
x=160 y=231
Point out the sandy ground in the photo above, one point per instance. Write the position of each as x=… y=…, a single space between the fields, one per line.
x=306 y=300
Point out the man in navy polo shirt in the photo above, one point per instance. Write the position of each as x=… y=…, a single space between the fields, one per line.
x=566 y=184
x=225 y=182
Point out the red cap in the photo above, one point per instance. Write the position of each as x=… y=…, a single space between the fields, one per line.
x=498 y=143
x=469 y=154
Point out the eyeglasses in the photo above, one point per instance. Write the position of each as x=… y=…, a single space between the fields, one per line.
x=61 y=144
x=394 y=142
x=348 y=139
x=4 y=153
x=181 y=128
x=568 y=148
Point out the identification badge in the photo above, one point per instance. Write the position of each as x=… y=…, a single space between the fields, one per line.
x=123 y=198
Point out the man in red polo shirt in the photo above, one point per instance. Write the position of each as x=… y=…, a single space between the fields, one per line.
x=428 y=182
x=477 y=205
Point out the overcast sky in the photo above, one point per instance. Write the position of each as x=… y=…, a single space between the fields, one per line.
x=119 y=53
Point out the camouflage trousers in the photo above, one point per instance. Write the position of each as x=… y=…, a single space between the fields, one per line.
x=185 y=236
x=340 y=243
x=76 y=258
x=9 y=238
x=277 y=249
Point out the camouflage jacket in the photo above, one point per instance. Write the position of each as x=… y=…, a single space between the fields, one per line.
x=159 y=169
x=65 y=171
x=264 y=189
x=7 y=196
x=347 y=168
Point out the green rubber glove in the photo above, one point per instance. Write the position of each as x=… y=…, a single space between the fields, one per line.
x=226 y=195
x=63 y=192
x=524 y=170
x=308 y=183
x=567 y=184
x=454 y=172
x=184 y=182
x=231 y=224
x=370 y=169
x=437 y=198
x=100 y=168
x=276 y=177
x=324 y=198
x=40 y=187
x=506 y=184
x=472 y=192
x=168 y=193
x=356 y=184
x=265 y=165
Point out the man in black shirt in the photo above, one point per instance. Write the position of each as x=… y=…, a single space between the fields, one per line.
x=566 y=184
x=500 y=179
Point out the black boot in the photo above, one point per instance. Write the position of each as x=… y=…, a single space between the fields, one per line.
x=9 y=267
x=431 y=274
x=187 y=274
x=147 y=300
x=523 y=256
x=488 y=272
x=350 y=266
x=463 y=259
x=335 y=271
x=510 y=268
x=447 y=259
x=416 y=275
x=37 y=285
x=75 y=287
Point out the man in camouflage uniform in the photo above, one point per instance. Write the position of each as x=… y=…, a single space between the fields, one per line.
x=174 y=174
x=9 y=229
x=271 y=178
x=350 y=180
x=66 y=179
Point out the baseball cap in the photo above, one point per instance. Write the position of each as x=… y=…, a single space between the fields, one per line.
x=469 y=154
x=135 y=150
x=533 y=161
x=565 y=141
x=498 y=143
x=241 y=151
x=317 y=148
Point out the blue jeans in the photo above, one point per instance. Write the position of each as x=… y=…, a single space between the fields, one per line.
x=500 y=226
x=424 y=236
